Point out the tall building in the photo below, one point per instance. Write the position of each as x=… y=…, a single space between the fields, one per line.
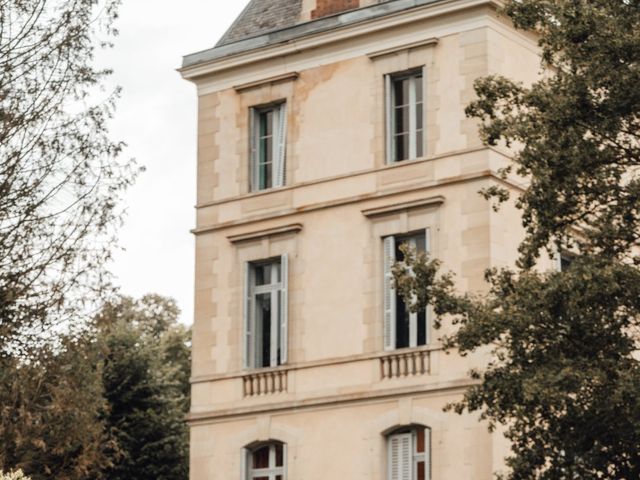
x=330 y=133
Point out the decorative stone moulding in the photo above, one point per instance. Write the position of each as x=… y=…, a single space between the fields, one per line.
x=405 y=364
x=265 y=383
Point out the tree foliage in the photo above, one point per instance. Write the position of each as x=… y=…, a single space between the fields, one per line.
x=146 y=378
x=563 y=377
x=60 y=176
x=51 y=411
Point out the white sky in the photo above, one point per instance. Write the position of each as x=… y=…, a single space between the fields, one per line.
x=157 y=118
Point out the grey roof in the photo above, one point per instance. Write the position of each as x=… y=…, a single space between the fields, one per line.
x=246 y=34
x=261 y=16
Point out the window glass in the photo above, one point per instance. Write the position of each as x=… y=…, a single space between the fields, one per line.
x=265 y=314
x=410 y=327
x=266 y=462
x=406 y=134
x=268 y=147
x=408 y=454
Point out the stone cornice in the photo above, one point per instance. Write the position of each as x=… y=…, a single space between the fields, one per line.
x=301 y=38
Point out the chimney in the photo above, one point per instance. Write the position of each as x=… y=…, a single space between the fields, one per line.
x=329 y=7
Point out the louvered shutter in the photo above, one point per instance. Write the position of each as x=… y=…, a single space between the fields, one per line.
x=248 y=324
x=281 y=155
x=400 y=457
x=388 y=102
x=389 y=294
x=253 y=149
x=284 y=309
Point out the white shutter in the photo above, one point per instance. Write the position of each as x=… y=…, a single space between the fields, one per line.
x=246 y=455
x=389 y=294
x=253 y=147
x=413 y=108
x=284 y=309
x=400 y=461
x=281 y=155
x=388 y=102
x=248 y=324
x=285 y=462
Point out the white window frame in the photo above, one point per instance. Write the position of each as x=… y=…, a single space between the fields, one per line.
x=272 y=472
x=389 y=295
x=278 y=145
x=278 y=291
x=418 y=76
x=406 y=468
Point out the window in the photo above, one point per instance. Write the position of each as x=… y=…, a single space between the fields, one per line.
x=409 y=454
x=405 y=118
x=402 y=328
x=564 y=260
x=265 y=313
x=266 y=462
x=268 y=147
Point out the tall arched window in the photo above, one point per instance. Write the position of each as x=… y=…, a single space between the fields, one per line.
x=266 y=461
x=409 y=452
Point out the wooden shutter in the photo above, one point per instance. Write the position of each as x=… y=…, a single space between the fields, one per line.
x=247 y=314
x=281 y=156
x=284 y=309
x=389 y=294
x=400 y=457
x=253 y=149
x=388 y=103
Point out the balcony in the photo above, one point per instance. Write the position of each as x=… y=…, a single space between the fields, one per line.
x=405 y=364
x=270 y=382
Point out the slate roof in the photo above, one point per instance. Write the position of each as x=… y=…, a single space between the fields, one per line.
x=269 y=22
x=262 y=16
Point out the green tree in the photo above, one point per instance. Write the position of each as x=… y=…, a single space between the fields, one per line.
x=563 y=378
x=146 y=377
x=52 y=411
x=61 y=182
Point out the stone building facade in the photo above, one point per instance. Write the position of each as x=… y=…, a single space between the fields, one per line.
x=331 y=132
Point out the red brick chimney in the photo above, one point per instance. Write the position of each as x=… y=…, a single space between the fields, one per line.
x=329 y=7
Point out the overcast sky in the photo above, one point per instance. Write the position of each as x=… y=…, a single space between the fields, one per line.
x=157 y=118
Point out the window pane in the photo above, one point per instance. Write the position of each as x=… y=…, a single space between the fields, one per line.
x=263 y=274
x=421 y=471
x=266 y=123
x=418 y=83
x=422 y=330
x=401 y=91
x=420 y=433
x=260 y=458
x=266 y=175
x=279 y=456
x=401 y=120
x=263 y=330
x=419 y=116
x=403 y=322
x=401 y=147
x=420 y=143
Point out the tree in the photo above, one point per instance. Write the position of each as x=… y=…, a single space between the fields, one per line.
x=61 y=181
x=563 y=378
x=52 y=410
x=146 y=378
x=60 y=177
